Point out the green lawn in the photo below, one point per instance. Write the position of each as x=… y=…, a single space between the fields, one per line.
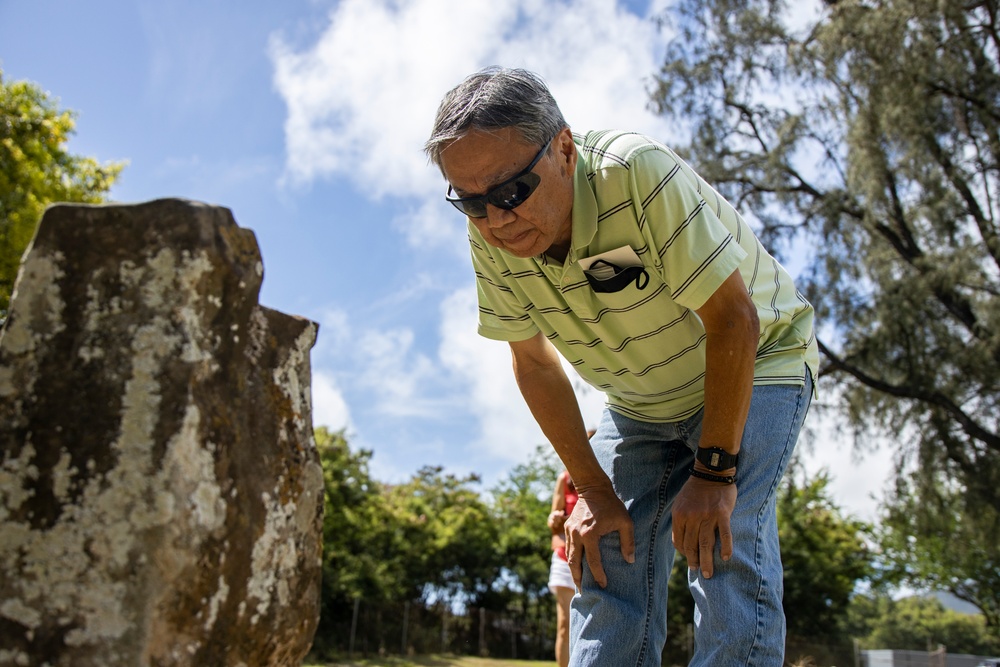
x=432 y=661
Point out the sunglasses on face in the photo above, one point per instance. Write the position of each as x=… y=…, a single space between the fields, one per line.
x=510 y=194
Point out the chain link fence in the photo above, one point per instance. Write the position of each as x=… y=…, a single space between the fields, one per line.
x=367 y=629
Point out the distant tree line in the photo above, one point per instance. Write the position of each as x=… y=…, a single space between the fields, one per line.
x=438 y=551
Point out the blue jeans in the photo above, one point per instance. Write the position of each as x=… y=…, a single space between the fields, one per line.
x=738 y=615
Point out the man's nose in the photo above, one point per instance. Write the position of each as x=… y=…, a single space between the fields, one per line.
x=498 y=217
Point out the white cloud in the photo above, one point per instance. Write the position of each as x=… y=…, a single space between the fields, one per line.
x=485 y=380
x=334 y=334
x=857 y=479
x=399 y=375
x=804 y=14
x=361 y=100
x=328 y=405
x=597 y=59
x=482 y=368
x=382 y=362
x=434 y=223
x=591 y=400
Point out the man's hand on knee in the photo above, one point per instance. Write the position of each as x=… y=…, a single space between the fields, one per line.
x=701 y=509
x=598 y=512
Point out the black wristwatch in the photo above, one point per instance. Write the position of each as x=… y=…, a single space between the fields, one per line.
x=716 y=458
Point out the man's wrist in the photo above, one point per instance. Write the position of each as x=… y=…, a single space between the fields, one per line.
x=726 y=472
x=591 y=479
x=714 y=477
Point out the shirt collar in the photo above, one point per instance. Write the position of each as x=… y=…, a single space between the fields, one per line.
x=584 y=209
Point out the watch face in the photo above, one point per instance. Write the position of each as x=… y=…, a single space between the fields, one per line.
x=716 y=458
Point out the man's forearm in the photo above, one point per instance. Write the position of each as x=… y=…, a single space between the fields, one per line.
x=549 y=395
x=733 y=332
x=729 y=370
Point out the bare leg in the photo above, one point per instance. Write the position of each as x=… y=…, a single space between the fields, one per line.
x=563 y=597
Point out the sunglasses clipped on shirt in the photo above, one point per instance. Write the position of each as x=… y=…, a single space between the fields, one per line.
x=508 y=195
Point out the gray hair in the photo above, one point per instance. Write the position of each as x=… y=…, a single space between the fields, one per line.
x=491 y=99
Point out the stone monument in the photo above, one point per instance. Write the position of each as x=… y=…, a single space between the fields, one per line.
x=160 y=491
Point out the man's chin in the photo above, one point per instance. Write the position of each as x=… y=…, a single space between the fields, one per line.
x=528 y=247
x=521 y=252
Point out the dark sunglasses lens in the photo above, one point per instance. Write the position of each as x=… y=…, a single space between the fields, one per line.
x=474 y=208
x=513 y=194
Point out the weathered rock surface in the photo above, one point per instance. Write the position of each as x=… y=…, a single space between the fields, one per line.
x=160 y=491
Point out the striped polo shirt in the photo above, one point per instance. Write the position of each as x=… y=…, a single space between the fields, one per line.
x=644 y=345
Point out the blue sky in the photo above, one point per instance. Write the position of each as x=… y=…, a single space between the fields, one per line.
x=306 y=118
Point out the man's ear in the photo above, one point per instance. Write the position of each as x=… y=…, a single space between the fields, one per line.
x=566 y=151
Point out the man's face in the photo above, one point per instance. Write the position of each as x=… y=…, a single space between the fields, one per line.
x=481 y=160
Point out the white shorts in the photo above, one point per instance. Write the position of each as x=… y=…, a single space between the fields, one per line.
x=559 y=575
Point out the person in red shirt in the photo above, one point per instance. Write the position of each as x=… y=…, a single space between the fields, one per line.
x=561 y=584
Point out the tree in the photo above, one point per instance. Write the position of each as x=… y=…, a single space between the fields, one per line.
x=36 y=170
x=361 y=554
x=867 y=143
x=958 y=549
x=520 y=504
x=389 y=549
x=680 y=615
x=447 y=535
x=825 y=556
x=916 y=623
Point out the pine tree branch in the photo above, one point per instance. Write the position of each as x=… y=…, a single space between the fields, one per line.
x=969 y=425
x=987 y=228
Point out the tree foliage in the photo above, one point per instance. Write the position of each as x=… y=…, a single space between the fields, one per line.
x=958 y=549
x=825 y=556
x=520 y=506
x=431 y=536
x=448 y=534
x=358 y=529
x=36 y=170
x=434 y=542
x=916 y=623
x=866 y=144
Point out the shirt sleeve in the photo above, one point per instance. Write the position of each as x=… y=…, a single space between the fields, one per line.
x=696 y=251
x=501 y=315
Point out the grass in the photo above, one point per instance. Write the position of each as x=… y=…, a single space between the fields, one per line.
x=432 y=661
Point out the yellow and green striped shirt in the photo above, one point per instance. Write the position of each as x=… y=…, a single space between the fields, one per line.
x=644 y=347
